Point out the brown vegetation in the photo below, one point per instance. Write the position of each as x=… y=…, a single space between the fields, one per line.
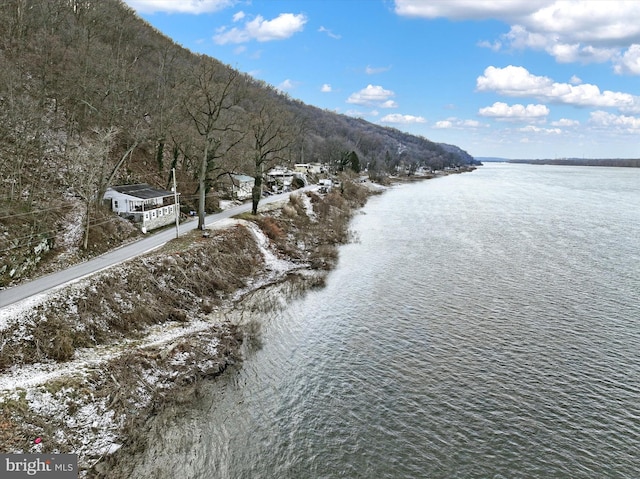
x=187 y=278
x=165 y=286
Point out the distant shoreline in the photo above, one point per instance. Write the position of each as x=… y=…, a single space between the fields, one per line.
x=617 y=162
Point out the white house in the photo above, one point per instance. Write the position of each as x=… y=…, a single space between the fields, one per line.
x=142 y=203
x=310 y=168
x=242 y=186
x=280 y=178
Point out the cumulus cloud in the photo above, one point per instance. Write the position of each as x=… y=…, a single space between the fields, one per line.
x=183 y=6
x=629 y=124
x=283 y=26
x=502 y=111
x=326 y=88
x=373 y=95
x=629 y=62
x=571 y=31
x=518 y=82
x=402 y=119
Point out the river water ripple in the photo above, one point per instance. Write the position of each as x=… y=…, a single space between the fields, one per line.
x=483 y=325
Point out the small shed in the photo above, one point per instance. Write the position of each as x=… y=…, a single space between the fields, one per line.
x=142 y=203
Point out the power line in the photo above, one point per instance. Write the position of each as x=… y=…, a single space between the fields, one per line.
x=36 y=211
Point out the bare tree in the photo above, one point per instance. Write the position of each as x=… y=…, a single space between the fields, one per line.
x=88 y=167
x=211 y=104
x=273 y=131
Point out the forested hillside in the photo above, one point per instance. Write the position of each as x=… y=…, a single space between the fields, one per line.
x=92 y=96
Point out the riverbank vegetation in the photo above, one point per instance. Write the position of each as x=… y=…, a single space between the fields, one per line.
x=83 y=369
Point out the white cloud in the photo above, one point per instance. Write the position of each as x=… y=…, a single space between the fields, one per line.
x=360 y=114
x=369 y=70
x=518 y=82
x=326 y=88
x=444 y=124
x=372 y=95
x=238 y=16
x=287 y=85
x=571 y=31
x=537 y=129
x=329 y=33
x=495 y=45
x=467 y=9
x=629 y=124
x=451 y=123
x=280 y=28
x=512 y=81
x=402 y=119
x=575 y=80
x=182 y=6
x=565 y=123
x=471 y=123
x=502 y=111
x=629 y=62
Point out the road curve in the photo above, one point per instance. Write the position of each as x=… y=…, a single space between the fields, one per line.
x=55 y=280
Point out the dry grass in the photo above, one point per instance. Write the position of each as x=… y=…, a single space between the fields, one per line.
x=187 y=277
x=158 y=288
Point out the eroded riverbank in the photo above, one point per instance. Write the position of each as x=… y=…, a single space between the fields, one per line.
x=85 y=367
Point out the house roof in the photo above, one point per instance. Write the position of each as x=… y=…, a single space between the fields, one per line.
x=143 y=191
x=243 y=177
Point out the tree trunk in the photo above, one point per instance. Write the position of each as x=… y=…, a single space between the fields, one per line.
x=256 y=193
x=86 y=229
x=202 y=181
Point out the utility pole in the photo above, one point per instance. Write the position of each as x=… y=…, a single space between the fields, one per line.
x=175 y=203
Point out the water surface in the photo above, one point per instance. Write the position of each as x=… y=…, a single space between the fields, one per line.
x=484 y=325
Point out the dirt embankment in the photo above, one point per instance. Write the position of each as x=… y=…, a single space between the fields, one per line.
x=81 y=370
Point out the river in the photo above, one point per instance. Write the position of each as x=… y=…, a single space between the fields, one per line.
x=482 y=325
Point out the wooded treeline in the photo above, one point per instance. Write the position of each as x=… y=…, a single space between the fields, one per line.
x=91 y=96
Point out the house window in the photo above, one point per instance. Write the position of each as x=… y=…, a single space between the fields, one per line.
x=153 y=214
x=166 y=210
x=146 y=216
x=159 y=212
x=115 y=204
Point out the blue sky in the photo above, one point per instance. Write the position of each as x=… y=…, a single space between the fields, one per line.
x=509 y=78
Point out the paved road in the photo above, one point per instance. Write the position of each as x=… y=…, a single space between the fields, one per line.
x=55 y=280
